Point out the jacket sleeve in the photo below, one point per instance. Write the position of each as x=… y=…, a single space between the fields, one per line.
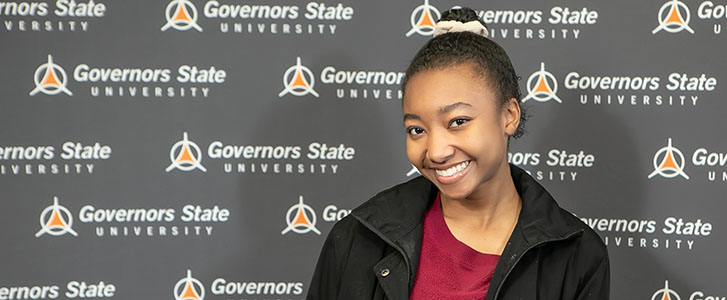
x=597 y=285
x=326 y=279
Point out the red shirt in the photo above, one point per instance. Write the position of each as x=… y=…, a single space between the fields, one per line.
x=449 y=269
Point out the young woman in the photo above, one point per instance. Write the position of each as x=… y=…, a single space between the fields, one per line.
x=472 y=226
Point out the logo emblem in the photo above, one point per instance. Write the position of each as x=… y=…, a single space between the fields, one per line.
x=188 y=288
x=413 y=171
x=671 y=18
x=56 y=220
x=666 y=293
x=50 y=79
x=300 y=218
x=298 y=80
x=181 y=15
x=542 y=86
x=423 y=19
x=185 y=155
x=672 y=162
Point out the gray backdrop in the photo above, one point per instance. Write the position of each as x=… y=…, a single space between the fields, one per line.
x=175 y=149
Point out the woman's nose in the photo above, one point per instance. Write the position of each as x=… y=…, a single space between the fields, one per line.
x=440 y=148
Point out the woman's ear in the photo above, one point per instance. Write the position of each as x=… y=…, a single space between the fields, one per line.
x=511 y=111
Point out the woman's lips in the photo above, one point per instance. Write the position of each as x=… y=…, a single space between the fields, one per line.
x=453 y=174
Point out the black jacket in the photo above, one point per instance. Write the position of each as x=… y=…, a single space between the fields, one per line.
x=374 y=252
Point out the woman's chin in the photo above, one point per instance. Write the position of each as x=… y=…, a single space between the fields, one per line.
x=454 y=192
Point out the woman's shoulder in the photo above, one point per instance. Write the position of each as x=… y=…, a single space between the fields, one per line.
x=589 y=241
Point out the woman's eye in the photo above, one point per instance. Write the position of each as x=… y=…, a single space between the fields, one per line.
x=414 y=130
x=458 y=122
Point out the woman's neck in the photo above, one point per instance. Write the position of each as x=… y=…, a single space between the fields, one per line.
x=494 y=203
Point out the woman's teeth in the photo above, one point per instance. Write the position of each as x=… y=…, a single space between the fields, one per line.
x=453 y=170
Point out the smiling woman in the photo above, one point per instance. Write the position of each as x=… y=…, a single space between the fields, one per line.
x=472 y=226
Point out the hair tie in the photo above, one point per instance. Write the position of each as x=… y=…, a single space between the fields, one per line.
x=474 y=26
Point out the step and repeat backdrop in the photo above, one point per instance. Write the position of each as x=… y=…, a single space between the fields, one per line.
x=193 y=149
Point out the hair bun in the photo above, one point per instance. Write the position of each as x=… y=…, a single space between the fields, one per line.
x=458 y=19
x=461 y=14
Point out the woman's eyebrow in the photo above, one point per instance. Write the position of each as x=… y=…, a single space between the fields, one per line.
x=443 y=110
x=453 y=106
x=412 y=117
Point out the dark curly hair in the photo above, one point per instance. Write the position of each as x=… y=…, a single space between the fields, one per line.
x=490 y=60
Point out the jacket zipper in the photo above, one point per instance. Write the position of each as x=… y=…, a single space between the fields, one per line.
x=497 y=293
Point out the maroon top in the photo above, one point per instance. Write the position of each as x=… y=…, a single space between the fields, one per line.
x=449 y=269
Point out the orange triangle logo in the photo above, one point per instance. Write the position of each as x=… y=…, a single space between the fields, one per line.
x=181 y=14
x=50 y=78
x=189 y=292
x=301 y=219
x=674 y=16
x=426 y=19
x=298 y=81
x=186 y=155
x=666 y=296
x=56 y=221
x=669 y=163
x=542 y=86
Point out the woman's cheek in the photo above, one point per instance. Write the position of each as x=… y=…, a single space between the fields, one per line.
x=410 y=151
x=415 y=151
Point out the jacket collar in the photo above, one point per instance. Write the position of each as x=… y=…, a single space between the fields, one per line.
x=396 y=216
x=395 y=213
x=540 y=217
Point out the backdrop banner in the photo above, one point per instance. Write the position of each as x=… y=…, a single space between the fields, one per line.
x=203 y=149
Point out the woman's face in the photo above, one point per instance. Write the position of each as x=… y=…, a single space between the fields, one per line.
x=456 y=132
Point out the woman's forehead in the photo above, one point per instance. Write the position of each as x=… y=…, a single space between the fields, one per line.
x=440 y=89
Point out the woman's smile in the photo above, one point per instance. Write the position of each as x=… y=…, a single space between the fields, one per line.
x=453 y=174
